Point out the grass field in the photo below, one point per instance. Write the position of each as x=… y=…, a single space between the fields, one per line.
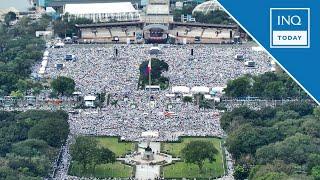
x=116 y=170
x=184 y=170
x=119 y=148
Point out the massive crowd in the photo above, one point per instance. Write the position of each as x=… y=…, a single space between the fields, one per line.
x=98 y=68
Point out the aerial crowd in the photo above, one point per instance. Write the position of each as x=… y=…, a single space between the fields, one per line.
x=130 y=111
x=98 y=68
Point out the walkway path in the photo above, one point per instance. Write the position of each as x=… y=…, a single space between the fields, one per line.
x=145 y=172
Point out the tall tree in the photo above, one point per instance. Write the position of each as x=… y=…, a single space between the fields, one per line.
x=84 y=150
x=52 y=130
x=10 y=16
x=63 y=85
x=198 y=151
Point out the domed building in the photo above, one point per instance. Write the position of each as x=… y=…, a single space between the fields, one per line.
x=207 y=7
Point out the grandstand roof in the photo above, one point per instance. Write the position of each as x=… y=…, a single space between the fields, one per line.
x=117 y=24
x=204 y=25
x=98 y=8
x=60 y=3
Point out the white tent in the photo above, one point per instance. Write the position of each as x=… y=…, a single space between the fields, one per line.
x=150 y=134
x=170 y=95
x=207 y=96
x=257 y=48
x=90 y=98
x=200 y=89
x=186 y=95
x=154 y=50
x=218 y=89
x=44 y=63
x=59 y=44
x=120 y=11
x=46 y=54
x=180 y=89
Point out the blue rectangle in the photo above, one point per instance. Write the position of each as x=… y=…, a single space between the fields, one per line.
x=290 y=19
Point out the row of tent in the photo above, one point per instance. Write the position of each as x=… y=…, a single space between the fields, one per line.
x=44 y=63
x=197 y=90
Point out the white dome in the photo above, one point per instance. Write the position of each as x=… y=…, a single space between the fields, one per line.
x=207 y=7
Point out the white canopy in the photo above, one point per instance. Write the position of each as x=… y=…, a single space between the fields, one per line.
x=59 y=44
x=77 y=93
x=44 y=63
x=200 y=89
x=150 y=134
x=170 y=95
x=46 y=53
x=180 y=89
x=41 y=71
x=216 y=99
x=90 y=98
x=218 y=89
x=186 y=95
x=99 y=8
x=207 y=96
x=257 y=48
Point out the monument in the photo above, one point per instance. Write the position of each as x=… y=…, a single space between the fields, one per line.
x=148 y=153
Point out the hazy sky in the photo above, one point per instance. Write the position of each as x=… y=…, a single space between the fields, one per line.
x=18 y=4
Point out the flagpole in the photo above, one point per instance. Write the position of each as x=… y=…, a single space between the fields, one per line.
x=150 y=81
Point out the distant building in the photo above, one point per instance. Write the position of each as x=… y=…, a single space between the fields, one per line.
x=158 y=12
x=61 y=3
x=207 y=7
x=103 y=12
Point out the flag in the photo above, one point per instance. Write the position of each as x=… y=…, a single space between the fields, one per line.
x=149 y=67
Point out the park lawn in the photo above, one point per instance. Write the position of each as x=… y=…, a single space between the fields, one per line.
x=182 y=169
x=119 y=148
x=115 y=170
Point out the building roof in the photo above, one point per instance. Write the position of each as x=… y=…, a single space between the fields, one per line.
x=116 y=24
x=205 y=25
x=207 y=7
x=158 y=9
x=60 y=3
x=98 y=8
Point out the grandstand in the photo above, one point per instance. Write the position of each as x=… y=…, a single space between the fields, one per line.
x=106 y=32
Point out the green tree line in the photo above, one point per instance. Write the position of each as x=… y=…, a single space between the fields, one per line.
x=30 y=142
x=274 y=143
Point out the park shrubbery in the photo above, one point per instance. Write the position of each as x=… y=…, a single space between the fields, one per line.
x=268 y=86
x=19 y=50
x=30 y=142
x=279 y=143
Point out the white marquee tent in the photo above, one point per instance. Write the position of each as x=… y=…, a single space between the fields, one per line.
x=103 y=12
x=180 y=89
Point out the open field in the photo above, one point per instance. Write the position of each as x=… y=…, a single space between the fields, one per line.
x=119 y=148
x=182 y=169
x=116 y=170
